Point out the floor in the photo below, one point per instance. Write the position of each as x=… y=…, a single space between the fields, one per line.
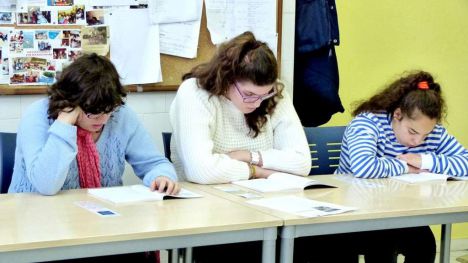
x=459 y=248
x=454 y=254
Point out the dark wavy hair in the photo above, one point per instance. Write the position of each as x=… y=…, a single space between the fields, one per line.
x=241 y=59
x=404 y=93
x=91 y=82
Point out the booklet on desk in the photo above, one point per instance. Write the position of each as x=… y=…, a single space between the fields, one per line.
x=427 y=177
x=136 y=193
x=301 y=206
x=281 y=182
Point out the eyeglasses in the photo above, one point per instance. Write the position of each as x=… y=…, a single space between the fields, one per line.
x=255 y=98
x=98 y=115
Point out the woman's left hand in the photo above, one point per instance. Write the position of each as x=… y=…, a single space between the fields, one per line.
x=242 y=155
x=412 y=159
x=165 y=184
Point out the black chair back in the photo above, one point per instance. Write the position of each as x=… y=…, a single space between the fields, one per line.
x=167 y=144
x=7 y=159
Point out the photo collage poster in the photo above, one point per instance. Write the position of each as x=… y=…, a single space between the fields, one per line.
x=37 y=54
x=32 y=51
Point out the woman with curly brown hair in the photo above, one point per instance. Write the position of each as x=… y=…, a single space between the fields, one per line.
x=82 y=134
x=232 y=119
x=398 y=131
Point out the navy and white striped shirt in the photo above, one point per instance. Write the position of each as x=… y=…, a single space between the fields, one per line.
x=369 y=149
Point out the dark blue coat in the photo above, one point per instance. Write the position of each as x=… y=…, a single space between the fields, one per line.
x=316 y=25
x=316 y=79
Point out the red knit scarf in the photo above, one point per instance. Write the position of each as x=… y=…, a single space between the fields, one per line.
x=88 y=160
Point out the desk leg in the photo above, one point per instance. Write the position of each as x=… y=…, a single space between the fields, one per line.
x=287 y=244
x=188 y=255
x=445 y=238
x=175 y=255
x=269 y=245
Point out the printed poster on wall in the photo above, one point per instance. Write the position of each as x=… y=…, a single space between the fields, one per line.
x=37 y=55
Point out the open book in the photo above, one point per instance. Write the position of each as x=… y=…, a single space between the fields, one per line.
x=135 y=193
x=301 y=206
x=281 y=182
x=426 y=177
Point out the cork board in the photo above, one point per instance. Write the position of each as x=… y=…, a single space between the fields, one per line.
x=172 y=67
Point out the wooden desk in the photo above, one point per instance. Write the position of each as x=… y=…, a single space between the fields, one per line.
x=381 y=203
x=39 y=228
x=463 y=259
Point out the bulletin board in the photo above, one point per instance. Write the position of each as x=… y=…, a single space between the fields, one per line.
x=172 y=67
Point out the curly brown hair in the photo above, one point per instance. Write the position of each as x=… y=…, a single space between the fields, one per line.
x=91 y=82
x=241 y=59
x=404 y=93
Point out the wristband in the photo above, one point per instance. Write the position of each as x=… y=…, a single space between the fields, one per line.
x=260 y=162
x=252 y=171
x=254 y=158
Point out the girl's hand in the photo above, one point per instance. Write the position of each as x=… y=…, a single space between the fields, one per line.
x=262 y=172
x=165 y=184
x=415 y=170
x=412 y=159
x=242 y=155
x=70 y=115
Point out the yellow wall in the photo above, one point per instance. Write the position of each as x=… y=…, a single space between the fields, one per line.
x=380 y=39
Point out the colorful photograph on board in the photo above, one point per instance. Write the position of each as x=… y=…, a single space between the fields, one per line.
x=28 y=40
x=34 y=16
x=95 y=17
x=59 y=2
x=72 y=16
x=6 y=18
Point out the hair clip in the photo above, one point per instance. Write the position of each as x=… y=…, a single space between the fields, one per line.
x=423 y=85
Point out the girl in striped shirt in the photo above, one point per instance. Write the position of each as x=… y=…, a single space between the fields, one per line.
x=397 y=131
x=394 y=132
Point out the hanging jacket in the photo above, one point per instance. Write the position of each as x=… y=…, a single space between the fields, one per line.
x=316 y=25
x=316 y=78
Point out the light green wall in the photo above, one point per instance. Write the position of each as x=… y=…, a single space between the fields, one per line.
x=382 y=38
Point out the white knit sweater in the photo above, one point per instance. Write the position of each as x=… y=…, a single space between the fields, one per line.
x=206 y=128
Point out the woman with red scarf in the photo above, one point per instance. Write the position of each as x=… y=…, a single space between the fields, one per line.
x=82 y=134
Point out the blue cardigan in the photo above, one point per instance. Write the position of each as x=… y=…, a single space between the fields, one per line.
x=45 y=160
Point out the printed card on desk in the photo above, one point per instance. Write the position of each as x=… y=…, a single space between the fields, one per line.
x=301 y=206
x=136 y=193
x=281 y=182
x=427 y=177
x=96 y=208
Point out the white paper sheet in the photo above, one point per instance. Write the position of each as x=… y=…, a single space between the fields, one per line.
x=427 y=177
x=170 y=11
x=280 y=182
x=181 y=39
x=301 y=206
x=134 y=46
x=227 y=19
x=7 y=3
x=135 y=193
x=216 y=19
